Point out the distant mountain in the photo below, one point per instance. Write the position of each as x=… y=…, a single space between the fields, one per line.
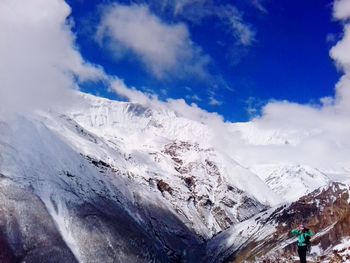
x=291 y=181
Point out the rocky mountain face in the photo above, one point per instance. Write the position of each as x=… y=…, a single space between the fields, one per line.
x=168 y=153
x=266 y=237
x=59 y=204
x=109 y=181
x=208 y=192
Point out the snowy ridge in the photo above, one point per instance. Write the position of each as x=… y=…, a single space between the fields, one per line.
x=135 y=128
x=151 y=171
x=254 y=134
x=157 y=174
x=291 y=181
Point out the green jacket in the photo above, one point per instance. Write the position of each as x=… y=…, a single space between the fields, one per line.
x=302 y=236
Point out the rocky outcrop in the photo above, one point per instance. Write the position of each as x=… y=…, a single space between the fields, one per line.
x=207 y=190
x=326 y=211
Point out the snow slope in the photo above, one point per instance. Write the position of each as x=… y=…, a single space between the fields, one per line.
x=118 y=179
x=136 y=128
x=291 y=181
x=125 y=176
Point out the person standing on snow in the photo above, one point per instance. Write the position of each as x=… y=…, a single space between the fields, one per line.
x=304 y=234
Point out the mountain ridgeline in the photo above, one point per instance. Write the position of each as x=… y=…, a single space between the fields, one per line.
x=110 y=181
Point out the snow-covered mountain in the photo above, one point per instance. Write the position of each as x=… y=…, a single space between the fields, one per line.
x=118 y=176
x=291 y=181
x=108 y=181
x=174 y=155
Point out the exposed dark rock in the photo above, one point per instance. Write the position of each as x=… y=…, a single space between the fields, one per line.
x=221 y=217
x=228 y=202
x=190 y=182
x=205 y=201
x=164 y=187
x=68 y=174
x=177 y=160
x=212 y=168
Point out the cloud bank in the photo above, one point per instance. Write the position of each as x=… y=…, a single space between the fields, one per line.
x=341 y=9
x=318 y=134
x=39 y=61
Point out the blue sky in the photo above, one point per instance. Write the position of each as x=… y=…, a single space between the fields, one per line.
x=243 y=53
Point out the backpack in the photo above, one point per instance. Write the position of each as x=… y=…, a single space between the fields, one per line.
x=307 y=242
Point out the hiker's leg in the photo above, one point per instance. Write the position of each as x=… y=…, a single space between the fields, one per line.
x=303 y=251
x=300 y=253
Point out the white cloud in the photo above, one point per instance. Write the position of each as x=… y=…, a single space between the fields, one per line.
x=193 y=112
x=227 y=14
x=132 y=94
x=163 y=48
x=193 y=97
x=341 y=9
x=318 y=135
x=240 y=30
x=239 y=35
x=179 y=106
x=39 y=60
x=340 y=52
x=214 y=102
x=253 y=106
x=259 y=5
